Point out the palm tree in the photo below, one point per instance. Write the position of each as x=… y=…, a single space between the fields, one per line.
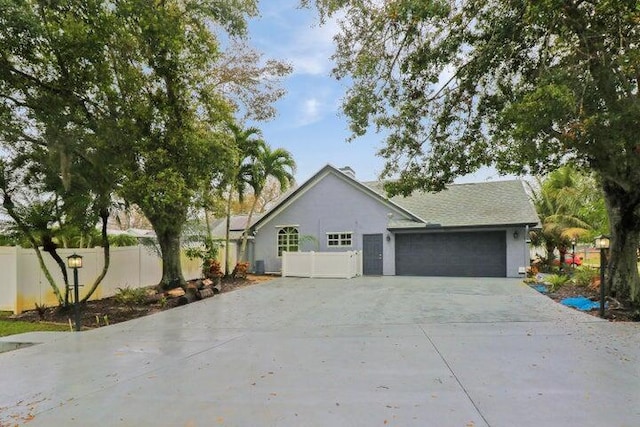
x=560 y=203
x=247 y=146
x=278 y=164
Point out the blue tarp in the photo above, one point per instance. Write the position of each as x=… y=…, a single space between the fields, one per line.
x=581 y=303
x=540 y=287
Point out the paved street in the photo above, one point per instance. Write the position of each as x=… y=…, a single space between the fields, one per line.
x=372 y=351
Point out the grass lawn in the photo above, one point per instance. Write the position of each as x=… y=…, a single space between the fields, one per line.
x=12 y=327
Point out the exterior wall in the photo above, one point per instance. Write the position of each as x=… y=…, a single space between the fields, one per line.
x=517 y=252
x=23 y=283
x=331 y=205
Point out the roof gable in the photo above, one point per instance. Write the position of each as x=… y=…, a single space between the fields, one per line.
x=308 y=185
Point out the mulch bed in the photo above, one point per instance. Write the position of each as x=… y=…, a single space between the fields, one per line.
x=615 y=311
x=108 y=311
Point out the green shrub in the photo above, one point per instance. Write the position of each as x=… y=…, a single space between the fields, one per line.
x=556 y=281
x=583 y=275
x=122 y=240
x=131 y=297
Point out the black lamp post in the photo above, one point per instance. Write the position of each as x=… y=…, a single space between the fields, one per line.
x=75 y=261
x=602 y=242
x=573 y=253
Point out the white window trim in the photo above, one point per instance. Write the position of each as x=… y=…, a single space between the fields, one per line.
x=340 y=245
x=282 y=227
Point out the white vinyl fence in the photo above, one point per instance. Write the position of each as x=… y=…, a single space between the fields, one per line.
x=322 y=264
x=23 y=284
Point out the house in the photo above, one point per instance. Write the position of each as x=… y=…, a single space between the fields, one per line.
x=466 y=230
x=237 y=225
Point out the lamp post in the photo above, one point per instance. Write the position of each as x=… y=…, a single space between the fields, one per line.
x=75 y=261
x=573 y=253
x=602 y=242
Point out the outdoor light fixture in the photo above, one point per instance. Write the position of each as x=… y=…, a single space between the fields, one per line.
x=573 y=253
x=515 y=234
x=75 y=261
x=602 y=242
x=388 y=237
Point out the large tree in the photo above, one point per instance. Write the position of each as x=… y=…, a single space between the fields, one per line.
x=524 y=86
x=139 y=89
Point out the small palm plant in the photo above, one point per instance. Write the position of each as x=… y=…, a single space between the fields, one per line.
x=556 y=281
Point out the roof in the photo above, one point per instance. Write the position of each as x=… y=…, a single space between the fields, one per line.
x=133 y=232
x=503 y=203
x=346 y=176
x=236 y=225
x=465 y=205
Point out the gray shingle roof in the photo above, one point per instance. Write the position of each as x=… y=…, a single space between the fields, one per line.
x=236 y=228
x=464 y=205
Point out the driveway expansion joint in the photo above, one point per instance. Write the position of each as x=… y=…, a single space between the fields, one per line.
x=464 y=389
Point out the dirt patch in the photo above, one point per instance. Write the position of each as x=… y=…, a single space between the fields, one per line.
x=615 y=311
x=109 y=311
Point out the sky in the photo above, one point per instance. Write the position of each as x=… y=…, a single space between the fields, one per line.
x=309 y=123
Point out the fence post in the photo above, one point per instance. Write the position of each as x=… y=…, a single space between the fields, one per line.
x=284 y=264
x=15 y=281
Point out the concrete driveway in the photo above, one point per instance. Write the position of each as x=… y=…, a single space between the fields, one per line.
x=385 y=351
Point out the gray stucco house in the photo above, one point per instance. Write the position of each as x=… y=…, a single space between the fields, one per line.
x=466 y=230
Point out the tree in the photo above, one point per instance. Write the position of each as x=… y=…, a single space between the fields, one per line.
x=522 y=86
x=247 y=146
x=50 y=221
x=270 y=193
x=278 y=164
x=561 y=200
x=135 y=88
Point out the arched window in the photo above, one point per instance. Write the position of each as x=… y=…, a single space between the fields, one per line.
x=288 y=239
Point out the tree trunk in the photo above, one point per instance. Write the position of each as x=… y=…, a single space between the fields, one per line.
x=50 y=247
x=208 y=223
x=227 y=266
x=104 y=215
x=563 y=254
x=550 y=248
x=169 y=241
x=243 y=248
x=623 y=206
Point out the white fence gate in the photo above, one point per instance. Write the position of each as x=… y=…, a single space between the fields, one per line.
x=322 y=264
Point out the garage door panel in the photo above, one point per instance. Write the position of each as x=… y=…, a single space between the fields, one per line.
x=467 y=254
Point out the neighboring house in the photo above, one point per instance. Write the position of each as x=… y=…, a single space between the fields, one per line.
x=466 y=230
x=236 y=228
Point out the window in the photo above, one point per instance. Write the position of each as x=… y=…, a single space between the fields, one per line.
x=288 y=238
x=339 y=239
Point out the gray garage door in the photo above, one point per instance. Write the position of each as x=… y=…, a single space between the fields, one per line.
x=467 y=254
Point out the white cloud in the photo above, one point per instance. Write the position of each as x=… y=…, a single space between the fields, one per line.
x=310 y=112
x=311 y=53
x=295 y=36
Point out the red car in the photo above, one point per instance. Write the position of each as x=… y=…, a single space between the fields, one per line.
x=568 y=259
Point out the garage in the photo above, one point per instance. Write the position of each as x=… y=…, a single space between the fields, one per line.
x=463 y=254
